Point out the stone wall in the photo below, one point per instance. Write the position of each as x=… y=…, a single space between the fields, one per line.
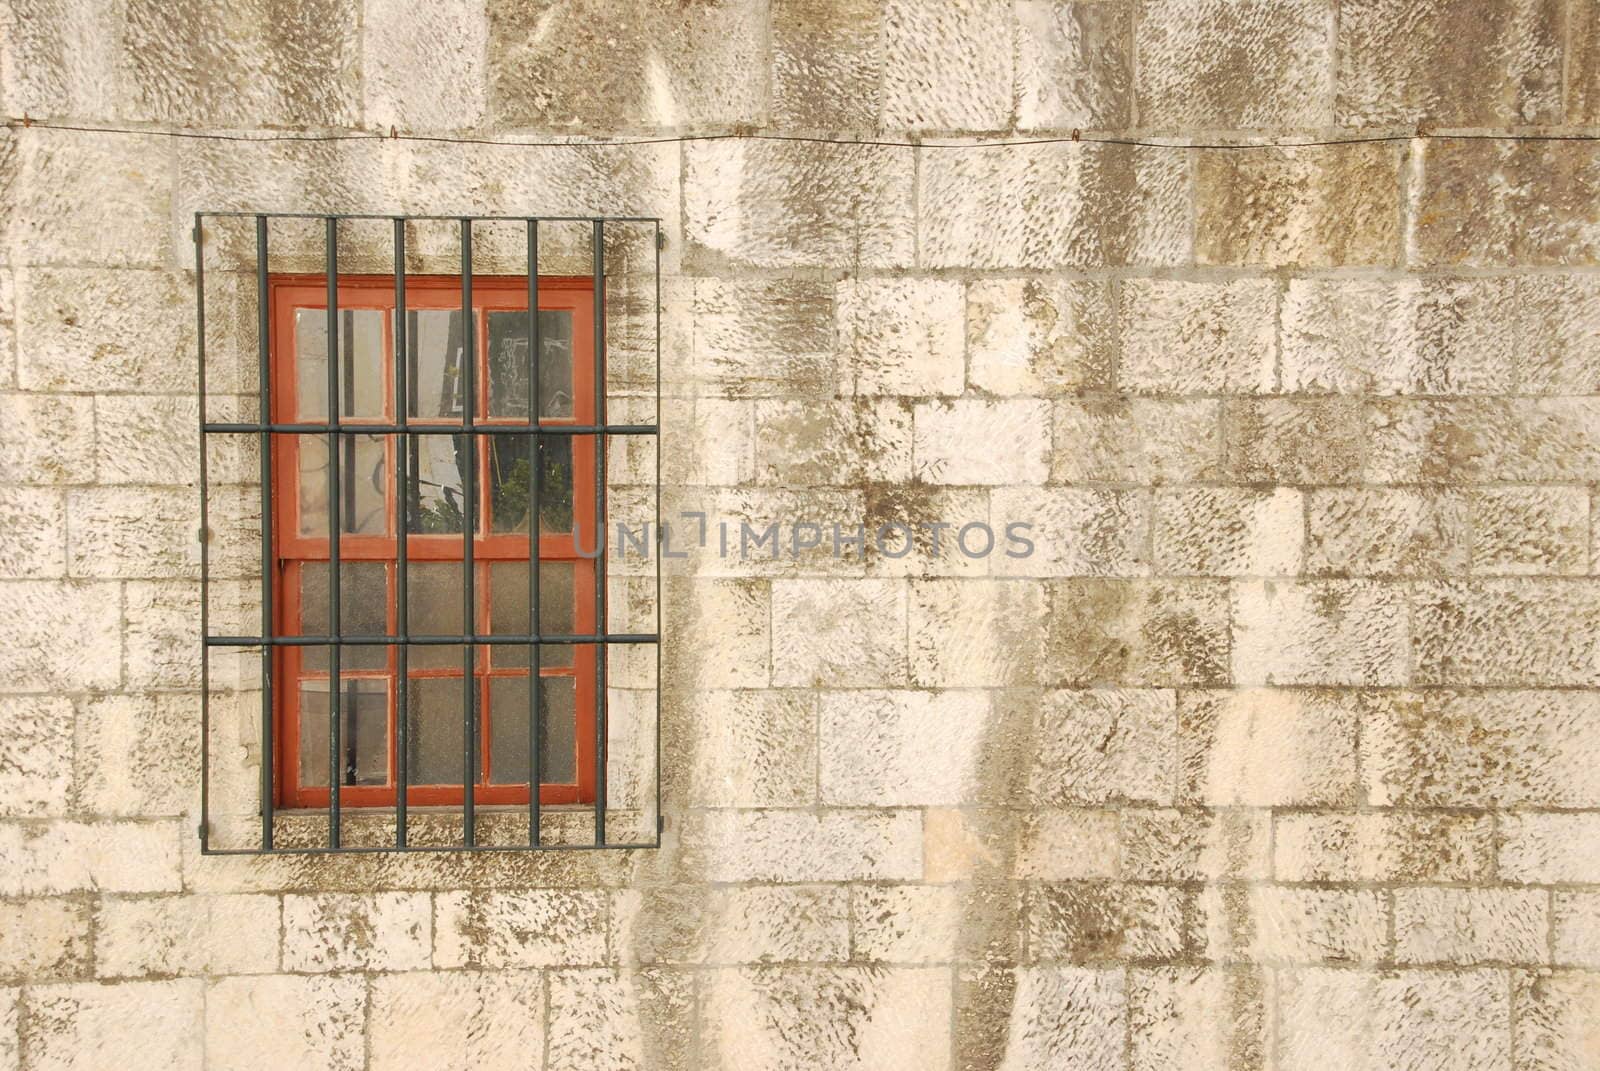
x=1283 y=752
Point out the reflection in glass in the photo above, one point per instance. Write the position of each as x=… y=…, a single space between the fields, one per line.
x=508 y=484
x=436 y=372
x=364 y=725
x=363 y=485
x=508 y=610
x=508 y=711
x=436 y=498
x=363 y=611
x=508 y=364
x=360 y=368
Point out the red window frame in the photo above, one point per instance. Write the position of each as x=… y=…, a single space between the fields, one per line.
x=292 y=549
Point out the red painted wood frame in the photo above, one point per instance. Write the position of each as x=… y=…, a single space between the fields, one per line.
x=292 y=549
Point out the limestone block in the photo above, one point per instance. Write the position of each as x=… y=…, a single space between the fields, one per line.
x=1074 y=65
x=1382 y=846
x=386 y=931
x=260 y=1022
x=1460 y=631
x=833 y=443
x=1195 y=845
x=761 y=338
x=158 y=635
x=731 y=925
x=603 y=1019
x=124 y=532
x=229 y=934
x=947 y=66
x=1053 y=207
x=1206 y=531
x=1548 y=849
x=1554 y=1019
x=456 y=1020
x=1137 y=440
x=1299 y=207
x=98 y=199
x=901 y=748
x=975 y=632
x=136 y=754
x=147 y=440
x=792 y=846
x=900 y=336
x=1104 y=922
x=1193 y=1018
x=59 y=857
x=145 y=1025
x=827 y=64
x=1299 y=925
x=926 y=924
x=1320 y=632
x=47 y=439
x=1039 y=338
x=1530 y=531
x=45 y=940
x=1264 y=747
x=107 y=331
x=1470 y=926
x=1105 y=746
x=1378 y=532
x=1450 y=62
x=1293 y=440
x=537 y=928
x=59 y=635
x=1183 y=337
x=1575 y=921
x=1071 y=531
x=1210 y=63
x=840 y=633
x=61 y=60
x=423 y=69
x=976 y=441
x=1137 y=632
x=1071 y=845
x=1559 y=326
x=753 y=749
x=1481 y=440
x=35 y=755
x=1490 y=749
x=732 y=620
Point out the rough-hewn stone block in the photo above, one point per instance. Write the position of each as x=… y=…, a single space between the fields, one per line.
x=1299 y=207
x=754 y=748
x=97 y=330
x=733 y=617
x=158 y=636
x=1377 y=532
x=60 y=635
x=791 y=846
x=538 y=928
x=261 y=1022
x=947 y=66
x=136 y=755
x=1207 y=531
x=975 y=633
x=1183 y=337
x=1554 y=1019
x=764 y=338
x=87 y=199
x=916 y=924
x=1294 y=924
x=1468 y=926
x=387 y=931
x=817 y=443
x=1530 y=530
x=1198 y=1018
x=977 y=441
x=1575 y=929
x=1038 y=338
x=457 y=1020
x=1493 y=204
x=1073 y=845
x=1053 y=206
x=1460 y=632
x=1103 y=746
x=45 y=940
x=35 y=522
x=423 y=69
x=61 y=60
x=900 y=336
x=1375 y=847
x=47 y=439
x=60 y=857
x=1136 y=440
x=137 y=1024
x=1039 y=1018
x=1070 y=532
x=827 y=64
x=1319 y=632
x=1268 y=748
x=731 y=925
x=128 y=533
x=1136 y=632
x=1293 y=440
x=1104 y=922
x=186 y=935
x=840 y=633
x=901 y=749
x=1195 y=845
x=1549 y=849
x=35 y=755
x=1483 y=440
x=146 y=440
x=604 y=1019
x=1074 y=64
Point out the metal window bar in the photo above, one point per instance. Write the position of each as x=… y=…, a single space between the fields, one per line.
x=340 y=437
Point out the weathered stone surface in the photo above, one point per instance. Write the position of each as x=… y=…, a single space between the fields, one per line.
x=1463 y=749
x=423 y=69
x=900 y=336
x=916 y=530
x=59 y=857
x=1376 y=847
x=236 y=934
x=1469 y=926
x=788 y=205
x=601 y=1019
x=1554 y=1019
x=255 y=1023
x=158 y=649
x=791 y=846
x=1067 y=846
x=1548 y=849
x=1137 y=440
x=1575 y=929
x=60 y=59
x=1268 y=748
x=1104 y=746
x=918 y=924
x=1197 y=1017
x=149 y=441
x=1069 y=532
x=343 y=932
x=1293 y=440
x=733 y=925
x=1197 y=338
x=1298 y=207
x=47 y=439
x=10 y=1043
x=1100 y=922
x=1556 y=318
x=1136 y=632
x=976 y=441
x=1074 y=64
x=1035 y=338
x=827 y=63
x=1406 y=336
x=847 y=1017
x=754 y=749
x=35 y=755
x=45 y=940
x=901 y=749
x=538 y=928
x=455 y=1021
x=126 y=533
x=59 y=635
x=947 y=67
x=1487 y=204
x=1295 y=924
x=1195 y=845
x=1450 y=62
x=1483 y=440
x=585 y=65
x=764 y=338
x=838 y=633
x=1530 y=531
x=822 y=443
x=1227 y=532
x=734 y=619
x=137 y=1024
x=975 y=632
x=1047 y=1017
x=1208 y=63
x=1459 y=630
x=96 y=330
x=135 y=754
x=1052 y=207
x=85 y=199
x=1453 y=1020
x=1400 y=532
x=1320 y=632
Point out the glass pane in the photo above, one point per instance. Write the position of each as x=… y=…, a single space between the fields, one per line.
x=360 y=370
x=555 y=492
x=508 y=719
x=508 y=610
x=363 y=611
x=434 y=728
x=508 y=364
x=364 y=722
x=508 y=484
x=437 y=500
x=363 y=485
x=433 y=592
x=436 y=373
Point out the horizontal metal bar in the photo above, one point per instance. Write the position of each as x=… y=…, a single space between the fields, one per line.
x=607 y=847
x=434 y=429
x=426 y=641
x=453 y=219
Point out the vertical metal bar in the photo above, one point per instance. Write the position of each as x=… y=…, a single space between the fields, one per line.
x=335 y=524
x=402 y=608
x=264 y=389
x=535 y=471
x=205 y=540
x=601 y=626
x=659 y=540
x=469 y=614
